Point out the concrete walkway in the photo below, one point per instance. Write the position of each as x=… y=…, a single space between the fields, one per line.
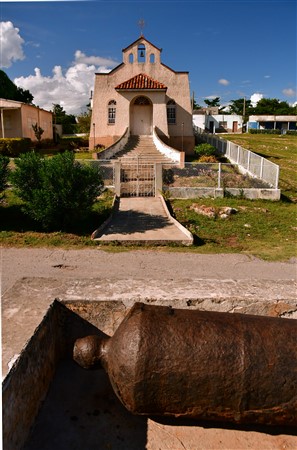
x=144 y=220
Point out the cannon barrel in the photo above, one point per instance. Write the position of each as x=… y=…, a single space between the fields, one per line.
x=200 y=364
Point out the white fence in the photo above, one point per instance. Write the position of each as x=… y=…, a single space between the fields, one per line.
x=248 y=162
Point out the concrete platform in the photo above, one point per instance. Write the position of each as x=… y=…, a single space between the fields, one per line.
x=96 y=289
x=144 y=220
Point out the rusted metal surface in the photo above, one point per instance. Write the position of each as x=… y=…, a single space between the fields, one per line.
x=200 y=364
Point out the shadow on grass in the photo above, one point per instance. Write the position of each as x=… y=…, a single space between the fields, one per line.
x=13 y=219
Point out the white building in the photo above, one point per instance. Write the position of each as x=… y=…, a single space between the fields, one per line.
x=209 y=120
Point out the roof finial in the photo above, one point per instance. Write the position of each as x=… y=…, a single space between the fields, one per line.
x=141 y=24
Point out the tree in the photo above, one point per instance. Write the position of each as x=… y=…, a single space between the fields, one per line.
x=57 y=191
x=273 y=106
x=4 y=172
x=10 y=91
x=84 y=122
x=242 y=107
x=212 y=103
x=38 y=131
x=67 y=121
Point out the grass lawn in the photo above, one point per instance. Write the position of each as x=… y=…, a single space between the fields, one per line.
x=261 y=228
x=18 y=230
x=280 y=149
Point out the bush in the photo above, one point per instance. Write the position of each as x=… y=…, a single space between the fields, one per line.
x=208 y=159
x=72 y=143
x=205 y=150
x=4 y=172
x=292 y=132
x=57 y=191
x=15 y=146
x=257 y=131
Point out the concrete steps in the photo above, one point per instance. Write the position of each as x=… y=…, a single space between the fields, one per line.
x=142 y=148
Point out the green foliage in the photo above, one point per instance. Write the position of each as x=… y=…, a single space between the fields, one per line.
x=292 y=132
x=38 y=131
x=205 y=150
x=168 y=176
x=4 y=172
x=241 y=107
x=14 y=146
x=273 y=106
x=257 y=131
x=84 y=122
x=56 y=191
x=67 y=121
x=72 y=143
x=214 y=102
x=10 y=91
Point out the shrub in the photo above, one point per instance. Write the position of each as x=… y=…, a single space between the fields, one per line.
x=257 y=131
x=4 y=172
x=292 y=132
x=57 y=191
x=14 y=146
x=208 y=159
x=72 y=143
x=205 y=150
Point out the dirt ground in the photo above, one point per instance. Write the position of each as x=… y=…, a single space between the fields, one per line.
x=32 y=278
x=158 y=265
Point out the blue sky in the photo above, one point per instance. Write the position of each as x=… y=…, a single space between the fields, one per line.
x=230 y=48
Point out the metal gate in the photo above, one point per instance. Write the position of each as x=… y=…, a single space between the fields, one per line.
x=137 y=179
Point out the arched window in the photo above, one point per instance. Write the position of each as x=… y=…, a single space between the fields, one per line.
x=142 y=101
x=112 y=111
x=131 y=58
x=171 y=112
x=141 y=53
x=152 y=58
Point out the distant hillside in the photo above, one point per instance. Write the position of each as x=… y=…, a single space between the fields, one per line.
x=10 y=91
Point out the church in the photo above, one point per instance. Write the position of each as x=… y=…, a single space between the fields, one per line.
x=142 y=96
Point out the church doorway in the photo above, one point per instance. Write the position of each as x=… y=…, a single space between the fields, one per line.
x=141 y=116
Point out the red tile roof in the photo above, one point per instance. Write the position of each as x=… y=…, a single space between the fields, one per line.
x=141 y=82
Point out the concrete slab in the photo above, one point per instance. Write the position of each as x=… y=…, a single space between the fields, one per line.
x=143 y=220
x=26 y=303
x=80 y=410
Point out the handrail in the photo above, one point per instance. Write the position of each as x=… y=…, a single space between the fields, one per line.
x=168 y=151
x=116 y=147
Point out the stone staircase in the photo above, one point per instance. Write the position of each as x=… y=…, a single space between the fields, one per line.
x=142 y=148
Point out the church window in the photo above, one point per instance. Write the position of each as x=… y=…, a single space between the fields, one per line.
x=152 y=58
x=112 y=111
x=131 y=58
x=171 y=112
x=141 y=53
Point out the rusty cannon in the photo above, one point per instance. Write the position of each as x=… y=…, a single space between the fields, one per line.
x=200 y=364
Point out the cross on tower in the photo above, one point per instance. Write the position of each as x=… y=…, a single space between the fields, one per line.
x=141 y=24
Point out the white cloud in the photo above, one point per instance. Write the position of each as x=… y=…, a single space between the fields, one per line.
x=81 y=57
x=267 y=76
x=223 y=82
x=10 y=43
x=70 y=89
x=289 y=92
x=255 y=98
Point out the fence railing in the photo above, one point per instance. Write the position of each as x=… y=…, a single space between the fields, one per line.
x=194 y=179
x=210 y=175
x=247 y=161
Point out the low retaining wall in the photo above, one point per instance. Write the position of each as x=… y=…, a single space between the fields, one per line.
x=188 y=192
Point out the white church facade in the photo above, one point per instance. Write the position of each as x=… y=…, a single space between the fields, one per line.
x=142 y=95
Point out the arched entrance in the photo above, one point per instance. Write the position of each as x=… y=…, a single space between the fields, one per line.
x=141 y=116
